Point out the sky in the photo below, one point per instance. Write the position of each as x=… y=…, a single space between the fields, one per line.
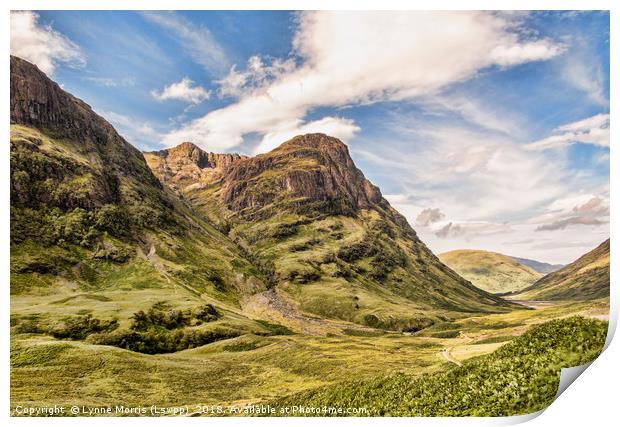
x=487 y=130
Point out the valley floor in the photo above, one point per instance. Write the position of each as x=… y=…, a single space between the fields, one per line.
x=252 y=369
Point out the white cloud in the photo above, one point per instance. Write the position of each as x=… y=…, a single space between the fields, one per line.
x=113 y=82
x=582 y=68
x=185 y=90
x=470 y=229
x=41 y=44
x=340 y=128
x=593 y=130
x=197 y=41
x=363 y=57
x=256 y=75
x=586 y=209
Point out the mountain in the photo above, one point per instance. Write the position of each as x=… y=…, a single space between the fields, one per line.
x=490 y=271
x=187 y=164
x=541 y=267
x=584 y=279
x=94 y=231
x=296 y=237
x=333 y=246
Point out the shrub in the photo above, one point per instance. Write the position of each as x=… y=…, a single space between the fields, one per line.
x=274 y=329
x=520 y=377
x=79 y=327
x=159 y=341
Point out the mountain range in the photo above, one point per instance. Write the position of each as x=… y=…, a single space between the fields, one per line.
x=541 y=267
x=297 y=236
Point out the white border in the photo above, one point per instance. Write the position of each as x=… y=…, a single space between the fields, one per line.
x=591 y=400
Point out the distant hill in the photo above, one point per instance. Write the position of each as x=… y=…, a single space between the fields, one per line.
x=587 y=278
x=541 y=267
x=490 y=271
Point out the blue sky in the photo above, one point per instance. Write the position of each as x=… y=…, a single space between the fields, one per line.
x=486 y=130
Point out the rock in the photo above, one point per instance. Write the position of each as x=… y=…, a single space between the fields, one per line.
x=315 y=167
x=187 y=164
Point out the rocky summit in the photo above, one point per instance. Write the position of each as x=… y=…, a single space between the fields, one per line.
x=188 y=164
x=313 y=167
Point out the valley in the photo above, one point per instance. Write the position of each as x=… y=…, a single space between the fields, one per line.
x=184 y=277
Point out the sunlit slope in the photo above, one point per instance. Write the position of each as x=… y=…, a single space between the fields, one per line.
x=490 y=271
x=584 y=279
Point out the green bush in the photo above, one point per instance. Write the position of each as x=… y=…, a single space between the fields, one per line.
x=161 y=315
x=79 y=327
x=156 y=341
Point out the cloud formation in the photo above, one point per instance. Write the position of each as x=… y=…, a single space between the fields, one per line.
x=471 y=229
x=185 y=90
x=593 y=212
x=359 y=58
x=428 y=216
x=41 y=44
x=592 y=130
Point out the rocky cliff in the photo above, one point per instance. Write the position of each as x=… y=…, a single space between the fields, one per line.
x=315 y=167
x=188 y=164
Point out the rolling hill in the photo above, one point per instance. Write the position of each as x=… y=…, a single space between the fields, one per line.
x=584 y=279
x=490 y=271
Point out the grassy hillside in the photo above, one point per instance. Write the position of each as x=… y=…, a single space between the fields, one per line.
x=490 y=271
x=93 y=232
x=584 y=279
x=519 y=378
x=333 y=246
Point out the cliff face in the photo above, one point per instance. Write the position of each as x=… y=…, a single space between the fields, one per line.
x=187 y=164
x=315 y=167
x=38 y=102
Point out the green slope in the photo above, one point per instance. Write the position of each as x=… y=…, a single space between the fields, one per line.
x=584 y=279
x=332 y=244
x=490 y=271
x=93 y=231
x=519 y=378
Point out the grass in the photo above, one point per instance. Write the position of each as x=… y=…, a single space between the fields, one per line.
x=519 y=378
x=584 y=279
x=490 y=271
x=246 y=369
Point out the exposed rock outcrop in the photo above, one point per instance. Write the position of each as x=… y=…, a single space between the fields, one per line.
x=315 y=167
x=188 y=164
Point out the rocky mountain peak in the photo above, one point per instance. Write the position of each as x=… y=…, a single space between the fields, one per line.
x=312 y=167
x=188 y=164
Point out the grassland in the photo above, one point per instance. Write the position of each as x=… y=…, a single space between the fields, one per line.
x=519 y=378
x=490 y=271
x=251 y=368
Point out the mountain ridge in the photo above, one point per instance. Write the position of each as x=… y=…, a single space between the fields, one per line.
x=586 y=278
x=308 y=215
x=297 y=236
x=541 y=267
